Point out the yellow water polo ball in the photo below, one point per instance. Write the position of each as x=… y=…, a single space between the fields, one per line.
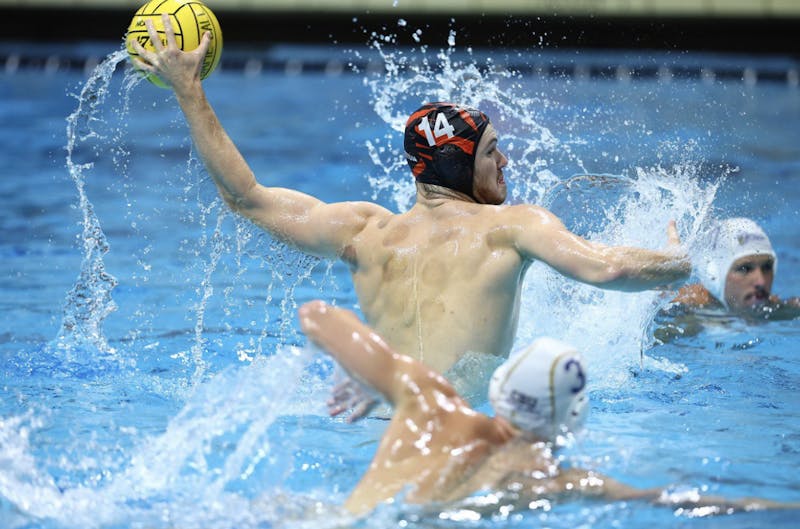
x=190 y=20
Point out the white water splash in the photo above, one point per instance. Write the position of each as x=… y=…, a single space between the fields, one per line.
x=612 y=328
x=212 y=466
x=89 y=302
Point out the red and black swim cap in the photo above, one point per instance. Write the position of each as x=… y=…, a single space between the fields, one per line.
x=440 y=144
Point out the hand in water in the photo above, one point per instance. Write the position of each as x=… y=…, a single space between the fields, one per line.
x=172 y=65
x=349 y=394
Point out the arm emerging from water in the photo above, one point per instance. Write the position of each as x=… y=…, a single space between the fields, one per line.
x=593 y=484
x=297 y=218
x=538 y=234
x=579 y=483
x=357 y=348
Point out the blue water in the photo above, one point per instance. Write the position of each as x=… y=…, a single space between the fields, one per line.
x=153 y=374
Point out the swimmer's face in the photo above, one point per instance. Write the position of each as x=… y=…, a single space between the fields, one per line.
x=489 y=185
x=749 y=281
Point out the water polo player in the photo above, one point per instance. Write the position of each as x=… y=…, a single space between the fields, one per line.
x=444 y=277
x=440 y=143
x=736 y=269
x=437 y=449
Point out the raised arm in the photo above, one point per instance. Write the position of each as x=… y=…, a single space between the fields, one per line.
x=297 y=218
x=538 y=234
x=357 y=348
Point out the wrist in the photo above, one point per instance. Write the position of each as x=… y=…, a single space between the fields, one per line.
x=191 y=91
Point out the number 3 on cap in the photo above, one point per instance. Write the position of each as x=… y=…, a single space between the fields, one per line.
x=442 y=127
x=579 y=374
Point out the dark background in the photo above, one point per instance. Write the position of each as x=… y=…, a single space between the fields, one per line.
x=768 y=35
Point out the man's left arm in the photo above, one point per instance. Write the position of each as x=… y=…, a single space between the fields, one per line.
x=538 y=234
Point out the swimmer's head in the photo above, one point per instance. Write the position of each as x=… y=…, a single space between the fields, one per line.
x=541 y=389
x=731 y=245
x=440 y=144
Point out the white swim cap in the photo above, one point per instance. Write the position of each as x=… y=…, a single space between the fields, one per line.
x=541 y=389
x=727 y=241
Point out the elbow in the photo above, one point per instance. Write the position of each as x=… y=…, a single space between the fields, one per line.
x=240 y=198
x=232 y=202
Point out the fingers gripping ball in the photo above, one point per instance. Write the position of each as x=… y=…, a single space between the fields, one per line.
x=190 y=20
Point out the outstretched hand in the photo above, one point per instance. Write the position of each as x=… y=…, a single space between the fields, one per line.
x=173 y=66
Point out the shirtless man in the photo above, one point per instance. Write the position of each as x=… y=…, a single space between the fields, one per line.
x=438 y=449
x=444 y=277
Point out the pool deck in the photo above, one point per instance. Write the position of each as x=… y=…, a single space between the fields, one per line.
x=742 y=26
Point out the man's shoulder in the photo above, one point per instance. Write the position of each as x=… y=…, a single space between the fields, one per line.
x=527 y=217
x=368 y=208
x=529 y=212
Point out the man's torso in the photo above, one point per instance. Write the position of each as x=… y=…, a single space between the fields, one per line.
x=437 y=282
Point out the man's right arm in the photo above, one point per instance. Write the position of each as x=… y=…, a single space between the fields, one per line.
x=297 y=218
x=357 y=348
x=181 y=71
x=222 y=159
x=367 y=358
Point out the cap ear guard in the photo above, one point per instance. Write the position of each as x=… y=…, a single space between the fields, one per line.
x=541 y=389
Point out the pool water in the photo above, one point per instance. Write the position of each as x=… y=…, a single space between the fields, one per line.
x=153 y=373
